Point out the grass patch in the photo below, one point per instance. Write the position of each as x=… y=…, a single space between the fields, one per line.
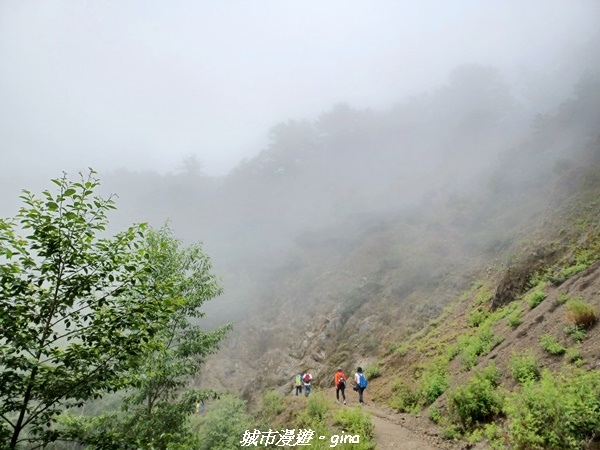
x=430 y=384
x=567 y=272
x=271 y=404
x=581 y=313
x=372 y=371
x=536 y=297
x=514 y=319
x=475 y=345
x=399 y=349
x=484 y=294
x=551 y=345
x=577 y=332
x=451 y=351
x=354 y=421
x=315 y=411
x=574 y=356
x=524 y=367
x=404 y=397
x=340 y=425
x=476 y=318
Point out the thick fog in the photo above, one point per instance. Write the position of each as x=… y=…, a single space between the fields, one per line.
x=144 y=84
x=251 y=125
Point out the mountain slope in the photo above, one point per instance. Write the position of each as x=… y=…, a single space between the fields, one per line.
x=347 y=293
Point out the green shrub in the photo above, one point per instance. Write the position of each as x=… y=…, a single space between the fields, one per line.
x=524 y=367
x=354 y=421
x=514 y=319
x=223 y=425
x=476 y=318
x=495 y=436
x=538 y=279
x=567 y=272
x=558 y=412
x=451 y=352
x=574 y=355
x=452 y=432
x=551 y=345
x=372 y=372
x=350 y=421
x=474 y=435
x=271 y=404
x=576 y=332
x=434 y=414
x=399 y=349
x=433 y=382
x=404 y=397
x=317 y=407
x=562 y=298
x=475 y=402
x=468 y=358
x=581 y=313
x=475 y=345
x=491 y=373
x=534 y=298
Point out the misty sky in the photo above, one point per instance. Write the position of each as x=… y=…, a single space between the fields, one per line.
x=144 y=83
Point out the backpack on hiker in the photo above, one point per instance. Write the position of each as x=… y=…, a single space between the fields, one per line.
x=306 y=378
x=298 y=380
x=362 y=380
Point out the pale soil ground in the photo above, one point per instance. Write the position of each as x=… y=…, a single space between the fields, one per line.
x=390 y=435
x=394 y=431
x=406 y=432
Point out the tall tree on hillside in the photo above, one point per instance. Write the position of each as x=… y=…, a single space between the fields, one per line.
x=79 y=313
x=155 y=411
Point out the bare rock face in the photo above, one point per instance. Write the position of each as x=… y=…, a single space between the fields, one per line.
x=513 y=284
x=516 y=279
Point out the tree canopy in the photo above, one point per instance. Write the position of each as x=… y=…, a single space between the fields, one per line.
x=82 y=314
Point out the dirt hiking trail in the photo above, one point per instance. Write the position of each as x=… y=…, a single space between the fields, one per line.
x=395 y=431
x=390 y=435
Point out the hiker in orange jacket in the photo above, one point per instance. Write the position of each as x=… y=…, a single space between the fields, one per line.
x=340 y=384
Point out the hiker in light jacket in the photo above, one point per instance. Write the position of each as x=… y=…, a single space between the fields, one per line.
x=298 y=384
x=306 y=379
x=360 y=384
